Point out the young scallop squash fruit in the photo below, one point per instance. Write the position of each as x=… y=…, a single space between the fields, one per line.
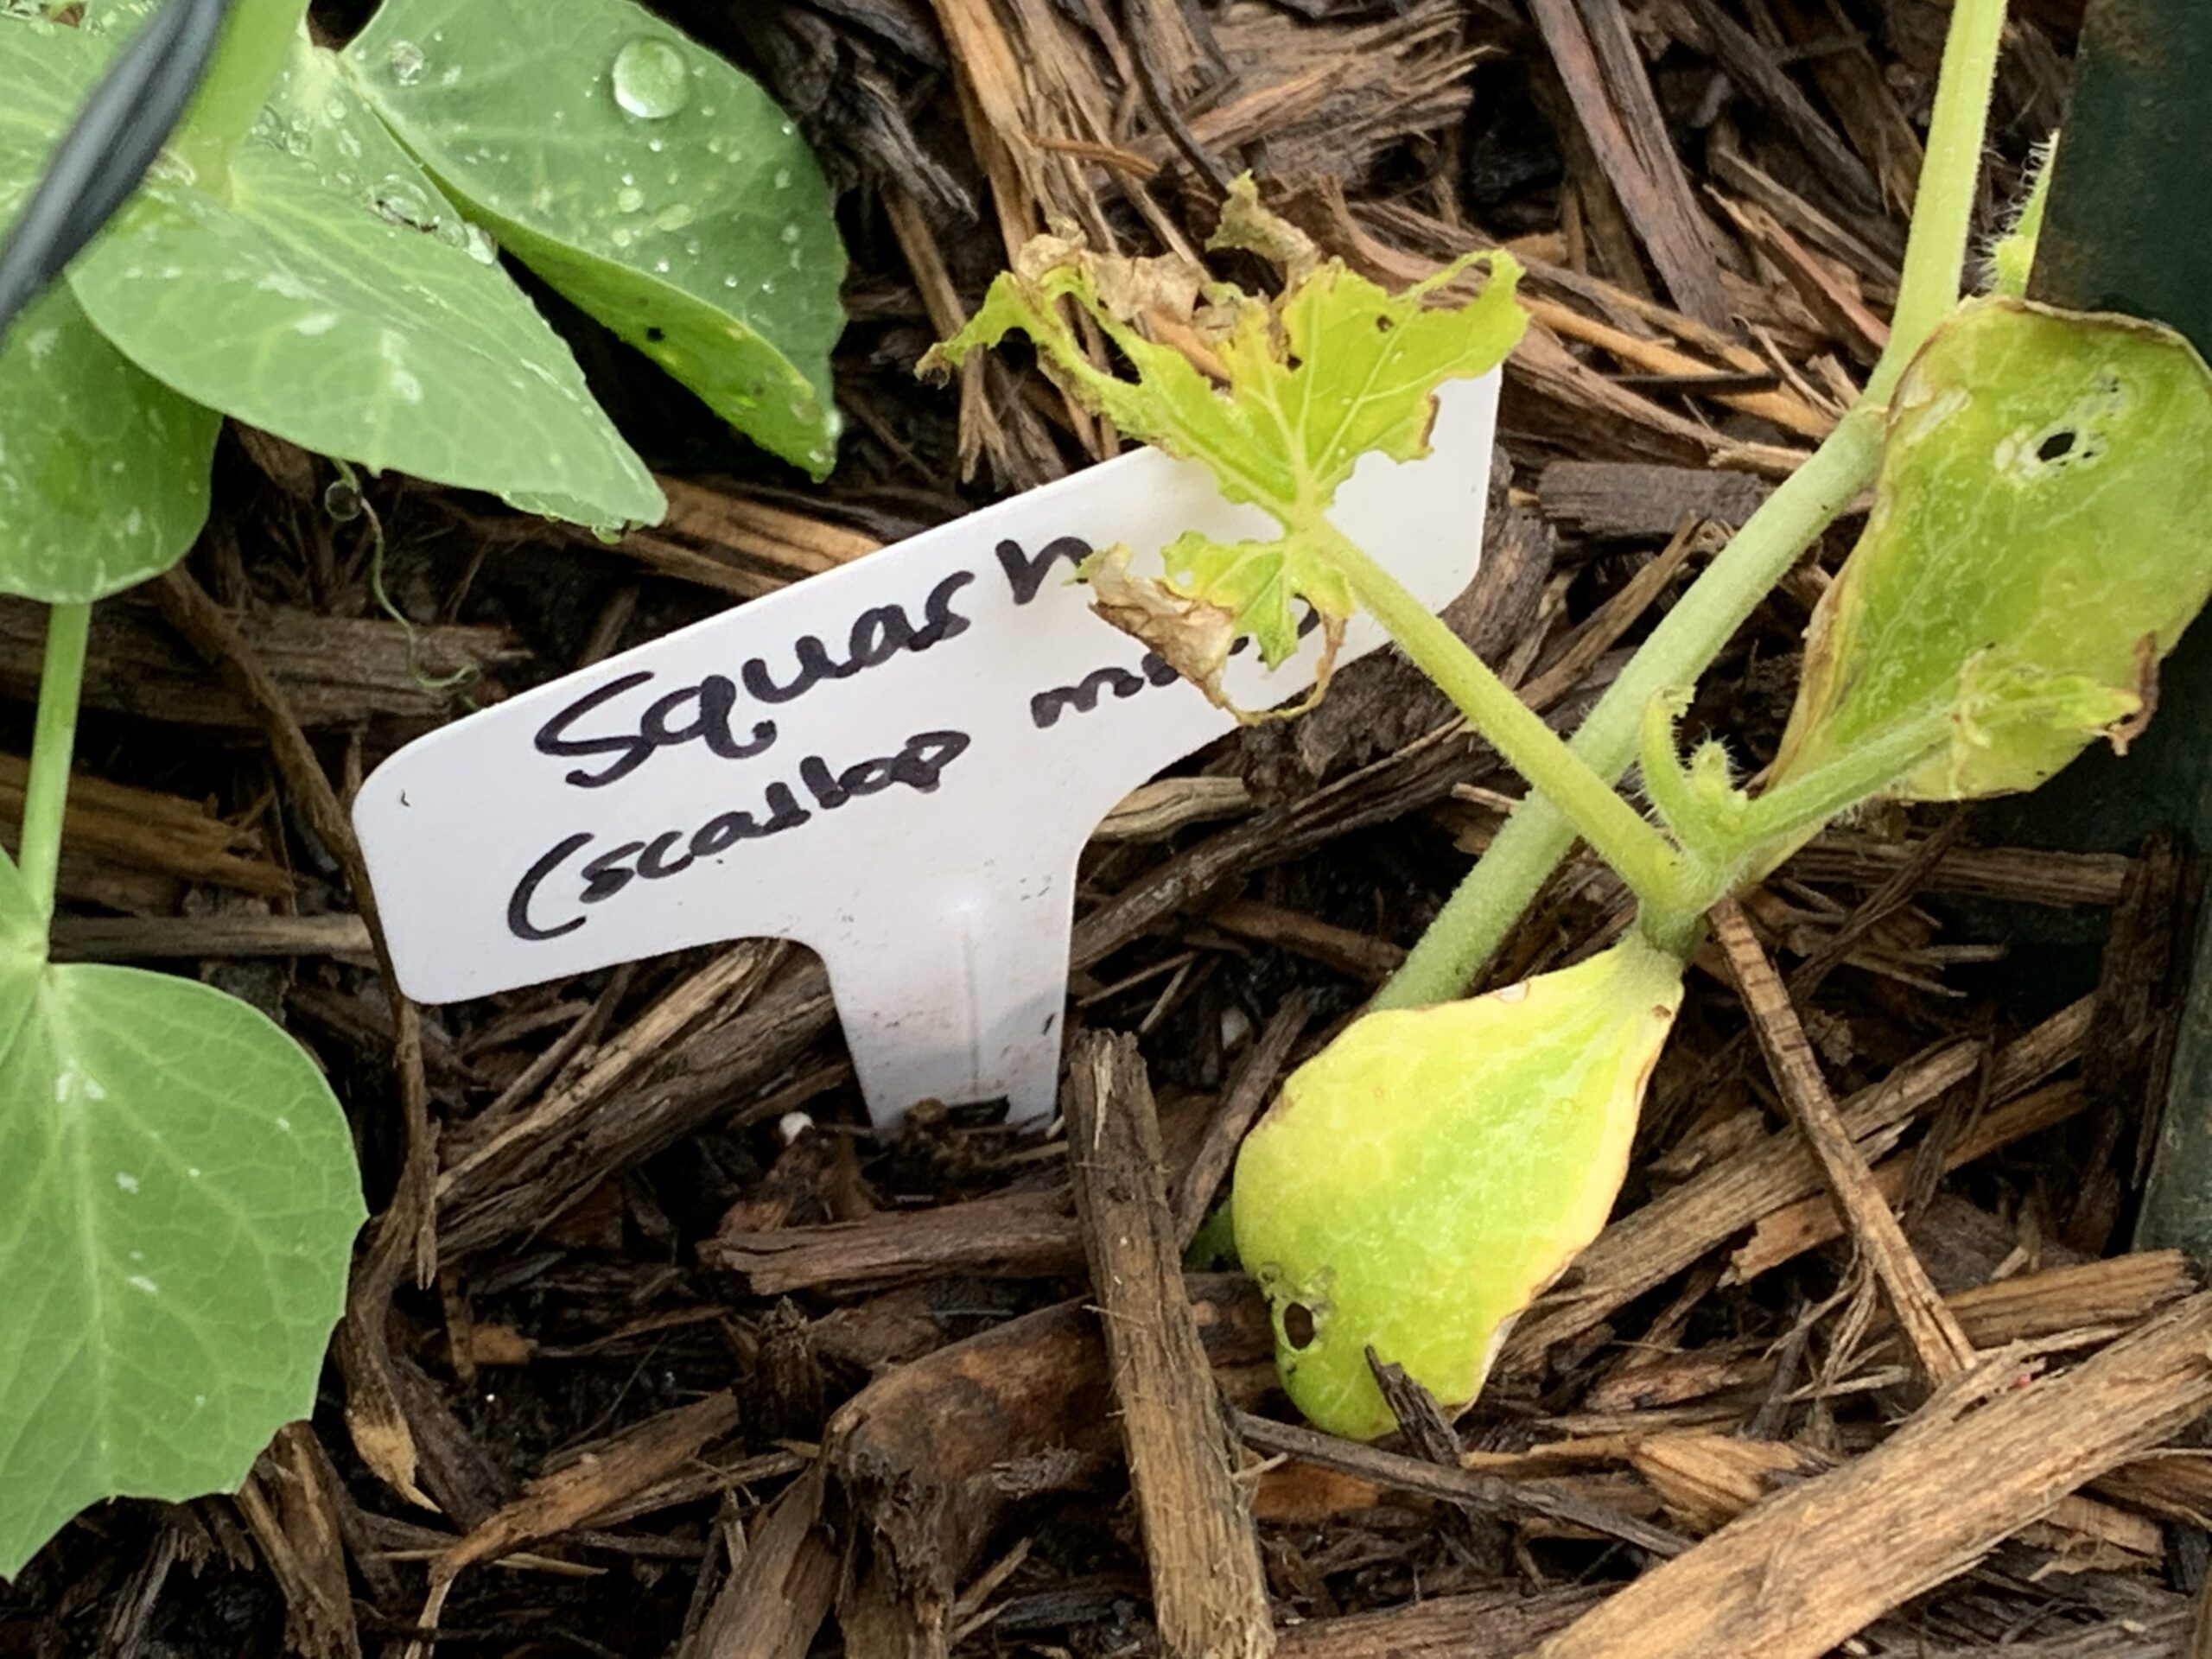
x=2038 y=543
x=1424 y=1176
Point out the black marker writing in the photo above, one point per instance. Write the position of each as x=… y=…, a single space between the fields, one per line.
x=1047 y=707
x=518 y=922
x=705 y=712
x=714 y=697
x=920 y=765
x=876 y=637
x=1026 y=576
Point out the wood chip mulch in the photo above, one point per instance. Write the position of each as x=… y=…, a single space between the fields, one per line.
x=655 y=1350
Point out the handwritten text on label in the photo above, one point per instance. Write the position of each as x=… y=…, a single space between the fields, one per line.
x=896 y=763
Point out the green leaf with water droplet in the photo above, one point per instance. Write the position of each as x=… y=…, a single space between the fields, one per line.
x=178 y=1201
x=103 y=470
x=645 y=178
x=2038 y=543
x=1424 y=1176
x=326 y=292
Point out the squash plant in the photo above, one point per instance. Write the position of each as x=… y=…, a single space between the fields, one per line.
x=314 y=253
x=2033 y=550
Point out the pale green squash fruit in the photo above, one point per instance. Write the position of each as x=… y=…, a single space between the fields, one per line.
x=2038 y=541
x=1421 y=1178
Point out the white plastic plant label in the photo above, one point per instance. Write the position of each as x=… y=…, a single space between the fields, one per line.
x=896 y=763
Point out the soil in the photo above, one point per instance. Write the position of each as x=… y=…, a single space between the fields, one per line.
x=656 y=1349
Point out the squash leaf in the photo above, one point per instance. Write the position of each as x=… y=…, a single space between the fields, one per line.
x=1424 y=1176
x=1280 y=398
x=2036 y=546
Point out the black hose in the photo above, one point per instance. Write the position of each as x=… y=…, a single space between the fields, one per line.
x=108 y=148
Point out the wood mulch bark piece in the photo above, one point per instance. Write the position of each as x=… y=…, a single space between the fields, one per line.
x=1937 y=1342
x=1999 y=1447
x=656 y=1348
x=1208 y=1596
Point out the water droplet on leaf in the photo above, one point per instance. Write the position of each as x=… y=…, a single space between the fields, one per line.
x=629 y=200
x=649 y=81
x=402 y=203
x=404 y=63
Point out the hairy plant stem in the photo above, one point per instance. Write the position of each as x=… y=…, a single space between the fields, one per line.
x=1727 y=839
x=52 y=742
x=1475 y=919
x=1642 y=855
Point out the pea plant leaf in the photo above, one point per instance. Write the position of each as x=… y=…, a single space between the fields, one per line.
x=178 y=1200
x=641 y=176
x=1280 y=398
x=2036 y=547
x=1424 y=1176
x=46 y=70
x=327 y=293
x=103 y=469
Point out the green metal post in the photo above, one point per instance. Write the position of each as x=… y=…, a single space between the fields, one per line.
x=2129 y=228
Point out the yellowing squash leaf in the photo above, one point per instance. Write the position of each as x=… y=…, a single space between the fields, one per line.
x=1424 y=1176
x=1280 y=398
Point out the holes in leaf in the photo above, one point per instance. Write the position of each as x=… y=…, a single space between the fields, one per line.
x=1298 y=1327
x=656 y=334
x=2077 y=438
